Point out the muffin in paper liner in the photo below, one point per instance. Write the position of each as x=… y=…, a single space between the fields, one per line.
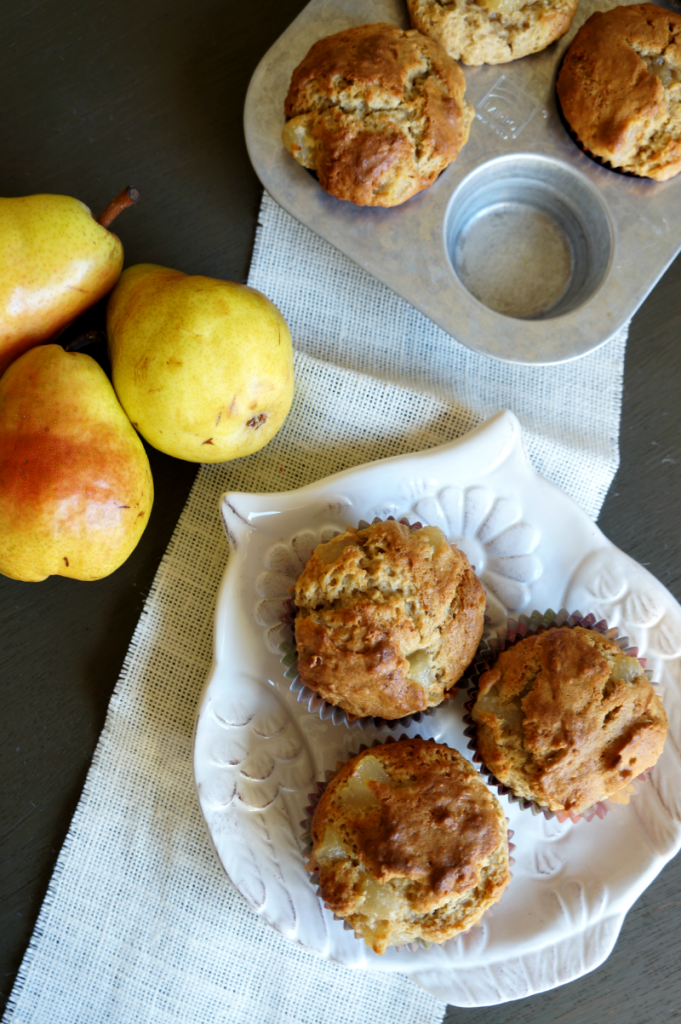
x=310 y=865
x=636 y=37
x=333 y=122
x=496 y=641
x=316 y=704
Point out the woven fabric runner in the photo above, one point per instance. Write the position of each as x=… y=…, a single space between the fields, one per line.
x=139 y=923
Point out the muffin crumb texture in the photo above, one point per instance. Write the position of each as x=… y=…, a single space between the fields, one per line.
x=566 y=719
x=387 y=619
x=377 y=113
x=620 y=89
x=410 y=844
x=492 y=31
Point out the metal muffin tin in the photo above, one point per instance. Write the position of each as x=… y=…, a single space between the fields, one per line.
x=521 y=222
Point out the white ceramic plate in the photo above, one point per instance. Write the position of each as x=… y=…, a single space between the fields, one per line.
x=258 y=753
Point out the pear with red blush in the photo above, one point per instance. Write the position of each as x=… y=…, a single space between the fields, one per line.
x=75 y=484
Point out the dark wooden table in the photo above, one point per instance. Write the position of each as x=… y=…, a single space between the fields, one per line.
x=100 y=94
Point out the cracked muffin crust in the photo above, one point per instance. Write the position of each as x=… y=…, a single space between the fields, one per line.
x=492 y=31
x=566 y=719
x=377 y=113
x=410 y=844
x=620 y=89
x=387 y=619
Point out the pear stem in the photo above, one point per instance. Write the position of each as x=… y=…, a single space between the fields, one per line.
x=128 y=197
x=89 y=338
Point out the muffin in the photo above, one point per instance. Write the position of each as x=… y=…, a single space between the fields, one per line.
x=387 y=619
x=377 y=113
x=566 y=719
x=492 y=31
x=409 y=844
x=620 y=89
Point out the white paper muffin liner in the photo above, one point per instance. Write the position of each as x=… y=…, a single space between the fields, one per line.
x=306 y=838
x=492 y=644
x=316 y=704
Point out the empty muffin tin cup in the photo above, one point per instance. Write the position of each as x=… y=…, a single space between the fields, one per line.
x=528 y=236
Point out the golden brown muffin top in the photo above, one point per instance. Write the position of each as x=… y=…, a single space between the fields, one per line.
x=620 y=88
x=492 y=31
x=433 y=822
x=377 y=112
x=378 y=59
x=387 y=619
x=565 y=718
x=409 y=841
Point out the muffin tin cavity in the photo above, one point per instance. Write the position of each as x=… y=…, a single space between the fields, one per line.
x=528 y=237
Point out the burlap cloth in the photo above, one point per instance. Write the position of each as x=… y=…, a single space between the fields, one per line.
x=139 y=923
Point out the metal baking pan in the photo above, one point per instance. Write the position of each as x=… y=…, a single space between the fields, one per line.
x=524 y=249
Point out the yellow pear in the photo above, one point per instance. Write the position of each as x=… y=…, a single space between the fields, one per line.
x=75 y=483
x=56 y=260
x=203 y=368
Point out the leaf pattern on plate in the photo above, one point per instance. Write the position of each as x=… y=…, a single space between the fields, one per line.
x=547 y=860
x=282 y=564
x=614 y=587
x=253 y=781
x=254 y=752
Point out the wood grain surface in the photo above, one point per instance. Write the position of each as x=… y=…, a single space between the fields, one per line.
x=98 y=95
